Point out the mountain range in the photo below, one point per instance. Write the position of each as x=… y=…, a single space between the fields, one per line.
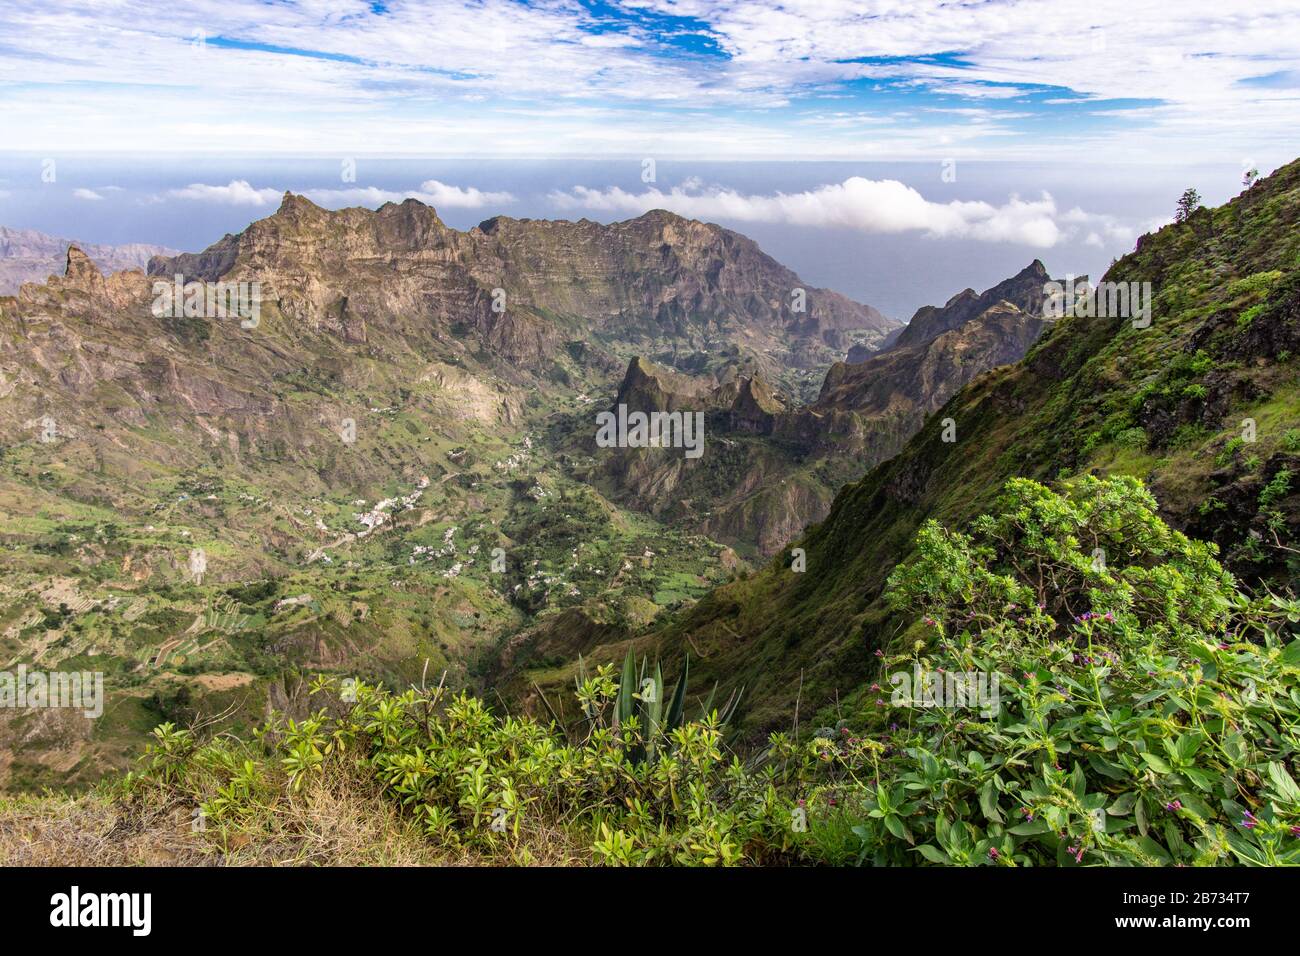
x=30 y=256
x=393 y=469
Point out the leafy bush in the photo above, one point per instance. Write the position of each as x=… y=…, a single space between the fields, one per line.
x=1147 y=709
x=1134 y=707
x=490 y=785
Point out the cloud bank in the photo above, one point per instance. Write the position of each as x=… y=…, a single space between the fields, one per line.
x=239 y=192
x=865 y=205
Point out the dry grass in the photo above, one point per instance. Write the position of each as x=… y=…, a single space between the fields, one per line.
x=333 y=822
x=92 y=831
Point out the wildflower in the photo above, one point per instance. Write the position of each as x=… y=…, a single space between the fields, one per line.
x=1295 y=831
x=1174 y=807
x=993 y=853
x=1248 y=820
x=879 y=652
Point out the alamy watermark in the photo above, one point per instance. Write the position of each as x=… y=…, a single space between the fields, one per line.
x=130 y=910
x=626 y=429
x=208 y=300
x=948 y=689
x=1106 y=300
x=82 y=690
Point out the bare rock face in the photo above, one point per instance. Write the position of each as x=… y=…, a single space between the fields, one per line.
x=364 y=310
x=1024 y=290
x=773 y=467
x=523 y=288
x=30 y=256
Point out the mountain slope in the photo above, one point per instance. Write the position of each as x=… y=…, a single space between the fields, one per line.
x=678 y=290
x=1166 y=403
x=359 y=479
x=773 y=465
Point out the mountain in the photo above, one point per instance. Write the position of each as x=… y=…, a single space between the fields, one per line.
x=1203 y=405
x=30 y=256
x=360 y=471
x=1024 y=291
x=774 y=464
x=677 y=290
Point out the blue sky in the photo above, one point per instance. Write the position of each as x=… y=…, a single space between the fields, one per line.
x=856 y=139
x=710 y=79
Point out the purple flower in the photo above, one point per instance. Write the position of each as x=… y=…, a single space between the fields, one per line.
x=1175 y=806
x=993 y=853
x=1248 y=820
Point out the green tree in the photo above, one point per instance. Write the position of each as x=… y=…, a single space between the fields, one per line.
x=1188 y=203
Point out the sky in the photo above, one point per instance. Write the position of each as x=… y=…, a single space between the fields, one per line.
x=852 y=139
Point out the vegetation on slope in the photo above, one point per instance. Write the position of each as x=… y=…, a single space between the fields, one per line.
x=1143 y=710
x=1169 y=403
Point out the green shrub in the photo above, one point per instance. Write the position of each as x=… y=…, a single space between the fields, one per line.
x=1147 y=709
x=1134 y=707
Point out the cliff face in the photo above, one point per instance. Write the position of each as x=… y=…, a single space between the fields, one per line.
x=774 y=466
x=1024 y=291
x=30 y=256
x=658 y=285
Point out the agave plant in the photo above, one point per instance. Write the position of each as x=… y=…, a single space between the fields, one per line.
x=640 y=695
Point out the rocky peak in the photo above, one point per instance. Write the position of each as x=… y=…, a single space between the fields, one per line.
x=1024 y=290
x=81 y=271
x=294 y=205
x=1035 y=270
x=650 y=387
x=755 y=407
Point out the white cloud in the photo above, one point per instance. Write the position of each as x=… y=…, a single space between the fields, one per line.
x=866 y=205
x=431 y=193
x=1219 y=80
x=237 y=193
x=240 y=192
x=86 y=194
